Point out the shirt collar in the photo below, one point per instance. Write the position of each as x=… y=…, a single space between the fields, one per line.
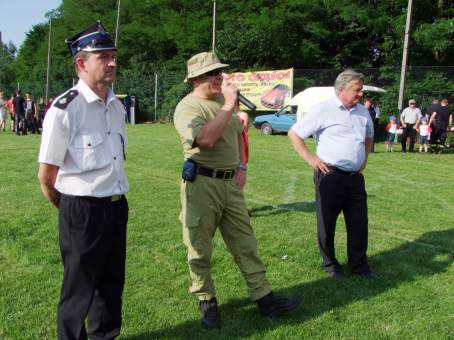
x=340 y=105
x=90 y=96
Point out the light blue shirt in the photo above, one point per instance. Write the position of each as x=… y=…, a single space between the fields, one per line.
x=340 y=133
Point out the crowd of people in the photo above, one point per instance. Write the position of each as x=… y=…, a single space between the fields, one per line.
x=429 y=130
x=26 y=115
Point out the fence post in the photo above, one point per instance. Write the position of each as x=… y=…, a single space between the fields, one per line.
x=155 y=96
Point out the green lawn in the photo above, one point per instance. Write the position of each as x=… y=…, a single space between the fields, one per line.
x=411 y=242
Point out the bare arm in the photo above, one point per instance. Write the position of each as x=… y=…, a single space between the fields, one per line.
x=210 y=133
x=402 y=121
x=47 y=174
x=301 y=148
x=432 y=117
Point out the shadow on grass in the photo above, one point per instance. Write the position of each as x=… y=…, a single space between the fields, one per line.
x=423 y=257
x=272 y=209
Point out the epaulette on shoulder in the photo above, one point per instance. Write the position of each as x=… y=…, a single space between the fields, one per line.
x=67 y=98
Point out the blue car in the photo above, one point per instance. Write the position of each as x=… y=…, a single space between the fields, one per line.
x=281 y=121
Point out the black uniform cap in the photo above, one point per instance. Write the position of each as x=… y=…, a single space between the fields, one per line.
x=93 y=38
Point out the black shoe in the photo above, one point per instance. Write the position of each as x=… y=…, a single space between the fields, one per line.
x=210 y=313
x=334 y=274
x=274 y=306
x=334 y=271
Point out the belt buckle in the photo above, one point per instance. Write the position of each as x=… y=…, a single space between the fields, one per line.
x=115 y=198
x=228 y=174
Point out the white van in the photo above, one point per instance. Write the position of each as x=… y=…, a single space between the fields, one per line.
x=311 y=96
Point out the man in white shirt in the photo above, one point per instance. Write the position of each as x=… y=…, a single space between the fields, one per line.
x=81 y=173
x=409 y=118
x=344 y=133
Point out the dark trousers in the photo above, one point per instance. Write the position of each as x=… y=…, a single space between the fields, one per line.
x=335 y=192
x=19 y=124
x=93 y=250
x=408 y=131
x=439 y=134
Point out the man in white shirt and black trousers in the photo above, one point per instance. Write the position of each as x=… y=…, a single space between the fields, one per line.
x=344 y=132
x=81 y=172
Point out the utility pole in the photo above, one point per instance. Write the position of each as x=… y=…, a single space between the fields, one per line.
x=118 y=22
x=403 y=72
x=116 y=31
x=48 y=59
x=214 y=26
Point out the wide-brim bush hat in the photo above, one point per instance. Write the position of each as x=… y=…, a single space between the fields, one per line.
x=202 y=63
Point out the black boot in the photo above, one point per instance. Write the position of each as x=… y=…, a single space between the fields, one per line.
x=210 y=313
x=274 y=306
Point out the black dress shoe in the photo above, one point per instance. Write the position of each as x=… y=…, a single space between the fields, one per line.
x=274 y=306
x=333 y=271
x=210 y=313
x=334 y=274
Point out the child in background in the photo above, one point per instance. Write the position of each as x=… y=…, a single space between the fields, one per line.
x=424 y=131
x=391 y=128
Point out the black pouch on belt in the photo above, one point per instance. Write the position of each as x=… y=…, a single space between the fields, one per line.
x=189 y=170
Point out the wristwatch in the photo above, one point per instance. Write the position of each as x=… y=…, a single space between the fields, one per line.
x=242 y=166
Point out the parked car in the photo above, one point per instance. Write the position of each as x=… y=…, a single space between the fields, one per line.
x=282 y=120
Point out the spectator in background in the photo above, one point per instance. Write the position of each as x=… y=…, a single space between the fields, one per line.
x=440 y=119
x=19 y=109
x=391 y=129
x=424 y=131
x=434 y=107
x=31 y=114
x=377 y=111
x=373 y=114
x=3 y=113
x=41 y=111
x=409 y=118
x=10 y=106
x=49 y=104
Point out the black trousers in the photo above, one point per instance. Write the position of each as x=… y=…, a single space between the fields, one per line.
x=93 y=250
x=439 y=134
x=409 y=132
x=19 y=124
x=335 y=192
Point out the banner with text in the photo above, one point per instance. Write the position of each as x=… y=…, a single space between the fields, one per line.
x=269 y=90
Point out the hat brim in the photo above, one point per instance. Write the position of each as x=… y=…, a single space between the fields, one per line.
x=205 y=70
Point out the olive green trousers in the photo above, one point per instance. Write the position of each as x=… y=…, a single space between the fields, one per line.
x=211 y=203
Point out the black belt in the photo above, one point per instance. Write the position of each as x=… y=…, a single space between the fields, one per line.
x=108 y=199
x=349 y=173
x=216 y=173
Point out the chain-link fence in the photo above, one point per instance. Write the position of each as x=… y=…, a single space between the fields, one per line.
x=157 y=94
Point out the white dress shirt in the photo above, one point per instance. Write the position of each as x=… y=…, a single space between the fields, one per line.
x=340 y=132
x=87 y=141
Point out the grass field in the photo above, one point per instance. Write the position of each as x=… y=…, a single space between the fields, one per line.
x=411 y=246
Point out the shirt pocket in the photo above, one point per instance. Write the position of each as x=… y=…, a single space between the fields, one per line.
x=88 y=152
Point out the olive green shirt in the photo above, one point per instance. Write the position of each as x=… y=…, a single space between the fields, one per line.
x=190 y=116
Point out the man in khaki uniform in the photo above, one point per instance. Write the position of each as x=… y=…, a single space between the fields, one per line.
x=214 y=175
